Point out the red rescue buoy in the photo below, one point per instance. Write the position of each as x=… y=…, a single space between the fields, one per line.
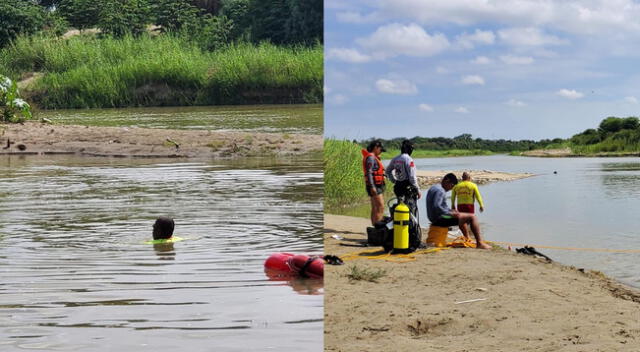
x=278 y=261
x=307 y=266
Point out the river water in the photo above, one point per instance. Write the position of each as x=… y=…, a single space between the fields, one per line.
x=302 y=119
x=588 y=203
x=77 y=275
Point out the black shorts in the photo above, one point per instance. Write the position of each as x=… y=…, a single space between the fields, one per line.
x=445 y=221
x=379 y=190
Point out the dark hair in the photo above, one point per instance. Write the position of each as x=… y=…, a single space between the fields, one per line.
x=406 y=147
x=451 y=178
x=375 y=143
x=163 y=228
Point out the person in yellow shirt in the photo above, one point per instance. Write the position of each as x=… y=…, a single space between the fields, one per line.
x=467 y=193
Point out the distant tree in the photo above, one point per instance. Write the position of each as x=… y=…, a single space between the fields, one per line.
x=630 y=123
x=237 y=11
x=611 y=124
x=173 y=15
x=212 y=32
x=270 y=19
x=209 y=6
x=19 y=17
x=121 y=17
x=80 y=14
x=305 y=26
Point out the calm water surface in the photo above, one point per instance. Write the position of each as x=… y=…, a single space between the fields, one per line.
x=76 y=274
x=303 y=119
x=590 y=202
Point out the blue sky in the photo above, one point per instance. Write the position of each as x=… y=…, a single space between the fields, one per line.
x=516 y=69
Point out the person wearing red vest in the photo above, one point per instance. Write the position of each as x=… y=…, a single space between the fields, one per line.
x=374 y=178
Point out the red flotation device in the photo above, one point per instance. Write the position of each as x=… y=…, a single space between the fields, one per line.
x=298 y=264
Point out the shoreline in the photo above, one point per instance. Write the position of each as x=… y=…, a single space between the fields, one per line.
x=521 y=303
x=51 y=139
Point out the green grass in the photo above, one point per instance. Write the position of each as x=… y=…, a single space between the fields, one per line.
x=343 y=176
x=419 y=153
x=365 y=274
x=90 y=72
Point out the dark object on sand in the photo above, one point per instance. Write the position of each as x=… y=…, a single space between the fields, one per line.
x=333 y=259
x=532 y=251
x=9 y=143
x=22 y=147
x=555 y=172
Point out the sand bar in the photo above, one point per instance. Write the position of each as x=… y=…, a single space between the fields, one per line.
x=39 y=138
x=429 y=177
x=513 y=302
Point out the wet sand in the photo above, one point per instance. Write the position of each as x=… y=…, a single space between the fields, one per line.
x=524 y=303
x=39 y=138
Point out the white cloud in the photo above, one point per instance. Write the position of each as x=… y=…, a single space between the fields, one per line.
x=479 y=37
x=425 y=107
x=515 y=103
x=516 y=60
x=327 y=90
x=569 y=94
x=338 y=99
x=473 y=79
x=441 y=70
x=631 y=100
x=400 y=86
x=397 y=39
x=481 y=60
x=461 y=110
x=347 y=55
x=356 y=17
x=529 y=37
x=592 y=17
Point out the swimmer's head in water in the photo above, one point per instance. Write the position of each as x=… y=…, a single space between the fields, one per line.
x=163 y=228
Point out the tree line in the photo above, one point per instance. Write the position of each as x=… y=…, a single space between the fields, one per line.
x=211 y=22
x=467 y=142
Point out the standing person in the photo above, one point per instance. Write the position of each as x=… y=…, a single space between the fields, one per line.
x=467 y=193
x=374 y=178
x=402 y=172
x=441 y=215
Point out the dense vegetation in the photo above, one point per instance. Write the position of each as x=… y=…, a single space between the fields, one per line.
x=164 y=52
x=343 y=177
x=613 y=135
x=465 y=142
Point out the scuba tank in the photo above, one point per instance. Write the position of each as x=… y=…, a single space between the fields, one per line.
x=401 y=228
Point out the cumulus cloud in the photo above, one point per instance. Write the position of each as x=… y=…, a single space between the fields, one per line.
x=515 y=103
x=569 y=94
x=461 y=110
x=397 y=39
x=529 y=37
x=599 y=17
x=479 y=37
x=631 y=100
x=481 y=60
x=516 y=60
x=356 y=17
x=400 y=86
x=425 y=107
x=473 y=79
x=347 y=55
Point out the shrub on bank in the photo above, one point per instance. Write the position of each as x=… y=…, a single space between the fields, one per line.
x=343 y=177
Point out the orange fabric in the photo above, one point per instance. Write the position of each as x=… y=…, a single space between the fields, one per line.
x=378 y=175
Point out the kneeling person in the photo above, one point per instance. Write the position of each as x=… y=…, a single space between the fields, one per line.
x=441 y=215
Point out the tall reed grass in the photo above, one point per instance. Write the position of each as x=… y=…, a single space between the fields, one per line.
x=343 y=176
x=90 y=72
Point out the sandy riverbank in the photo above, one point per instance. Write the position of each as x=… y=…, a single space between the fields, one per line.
x=41 y=138
x=429 y=177
x=568 y=153
x=530 y=305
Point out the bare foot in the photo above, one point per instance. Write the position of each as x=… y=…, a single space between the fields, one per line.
x=483 y=245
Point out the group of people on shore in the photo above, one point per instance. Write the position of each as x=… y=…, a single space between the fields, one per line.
x=401 y=171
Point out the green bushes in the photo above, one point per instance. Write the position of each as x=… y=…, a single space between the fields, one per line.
x=614 y=135
x=89 y=72
x=343 y=176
